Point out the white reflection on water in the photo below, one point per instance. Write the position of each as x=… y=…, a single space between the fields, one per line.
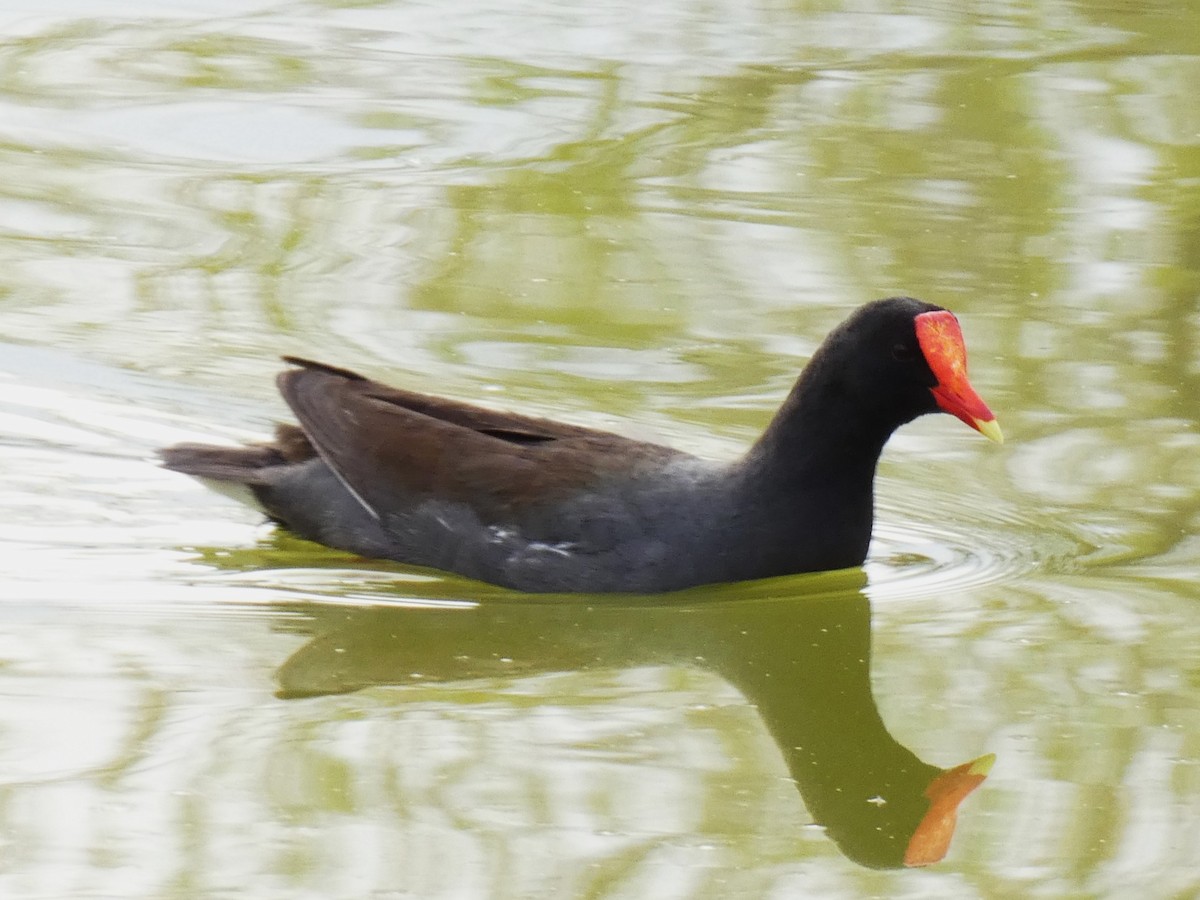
x=618 y=215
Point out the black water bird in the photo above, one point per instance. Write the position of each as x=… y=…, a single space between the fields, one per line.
x=539 y=505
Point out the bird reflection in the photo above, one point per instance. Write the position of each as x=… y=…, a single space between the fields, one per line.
x=802 y=661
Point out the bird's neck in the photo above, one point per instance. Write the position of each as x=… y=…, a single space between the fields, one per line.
x=822 y=435
x=807 y=485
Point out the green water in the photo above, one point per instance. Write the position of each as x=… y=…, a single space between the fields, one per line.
x=630 y=216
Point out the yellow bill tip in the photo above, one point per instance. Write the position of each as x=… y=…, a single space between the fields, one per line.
x=990 y=430
x=983 y=765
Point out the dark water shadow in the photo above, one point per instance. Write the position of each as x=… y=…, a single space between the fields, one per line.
x=802 y=660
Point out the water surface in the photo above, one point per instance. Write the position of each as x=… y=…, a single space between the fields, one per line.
x=636 y=218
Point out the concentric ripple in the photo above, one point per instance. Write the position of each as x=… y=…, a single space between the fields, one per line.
x=926 y=542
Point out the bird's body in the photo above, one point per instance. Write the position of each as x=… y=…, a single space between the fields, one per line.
x=542 y=506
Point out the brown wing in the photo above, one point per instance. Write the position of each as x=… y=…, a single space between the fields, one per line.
x=389 y=446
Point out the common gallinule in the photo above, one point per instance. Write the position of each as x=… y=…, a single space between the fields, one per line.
x=542 y=506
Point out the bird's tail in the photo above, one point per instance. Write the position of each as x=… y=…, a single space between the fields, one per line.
x=246 y=464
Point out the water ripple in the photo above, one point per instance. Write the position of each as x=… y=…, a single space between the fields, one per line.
x=958 y=543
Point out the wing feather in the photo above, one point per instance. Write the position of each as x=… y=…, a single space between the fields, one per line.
x=391 y=447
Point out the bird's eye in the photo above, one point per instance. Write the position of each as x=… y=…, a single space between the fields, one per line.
x=903 y=353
